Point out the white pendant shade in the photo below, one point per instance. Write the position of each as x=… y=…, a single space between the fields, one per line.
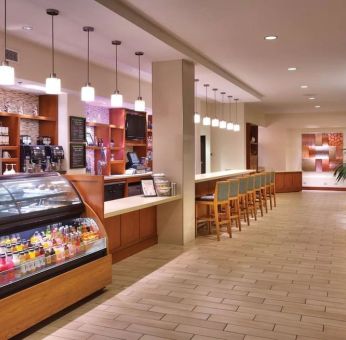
x=53 y=85
x=87 y=93
x=230 y=126
x=236 y=127
x=215 y=122
x=223 y=124
x=6 y=74
x=140 y=105
x=197 y=118
x=206 y=121
x=116 y=100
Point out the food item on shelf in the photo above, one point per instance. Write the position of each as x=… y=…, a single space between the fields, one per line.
x=46 y=246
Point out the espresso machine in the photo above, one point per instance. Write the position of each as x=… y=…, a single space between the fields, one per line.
x=56 y=154
x=33 y=156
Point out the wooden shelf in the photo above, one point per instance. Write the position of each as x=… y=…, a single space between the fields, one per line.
x=135 y=144
x=9 y=147
x=95 y=124
x=93 y=147
x=27 y=116
x=112 y=126
x=117 y=161
x=9 y=160
x=116 y=148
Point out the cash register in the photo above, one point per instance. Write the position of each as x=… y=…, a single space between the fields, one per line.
x=134 y=164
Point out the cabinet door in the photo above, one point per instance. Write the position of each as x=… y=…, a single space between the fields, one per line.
x=112 y=226
x=288 y=182
x=279 y=182
x=297 y=181
x=147 y=223
x=129 y=228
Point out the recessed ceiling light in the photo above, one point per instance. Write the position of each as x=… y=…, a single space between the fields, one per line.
x=27 y=28
x=304 y=86
x=292 y=69
x=312 y=98
x=271 y=37
x=317 y=106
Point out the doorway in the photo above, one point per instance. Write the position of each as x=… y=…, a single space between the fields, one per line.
x=203 y=155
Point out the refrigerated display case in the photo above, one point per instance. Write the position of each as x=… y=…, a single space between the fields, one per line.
x=47 y=236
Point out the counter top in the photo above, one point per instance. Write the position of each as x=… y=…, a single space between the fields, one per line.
x=221 y=174
x=133 y=203
x=108 y=178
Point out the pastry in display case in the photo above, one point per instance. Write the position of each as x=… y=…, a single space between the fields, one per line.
x=47 y=233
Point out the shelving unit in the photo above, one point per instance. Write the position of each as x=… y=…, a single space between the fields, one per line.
x=251 y=146
x=48 y=126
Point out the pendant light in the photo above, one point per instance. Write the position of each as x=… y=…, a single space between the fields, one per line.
x=53 y=84
x=116 y=97
x=223 y=123
x=215 y=122
x=87 y=91
x=6 y=71
x=196 y=116
x=139 y=103
x=206 y=119
x=236 y=126
x=230 y=123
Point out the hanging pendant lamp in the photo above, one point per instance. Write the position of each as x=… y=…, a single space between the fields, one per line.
x=6 y=71
x=116 y=97
x=139 y=103
x=223 y=123
x=87 y=91
x=215 y=121
x=196 y=116
x=53 y=84
x=206 y=119
x=230 y=123
x=236 y=125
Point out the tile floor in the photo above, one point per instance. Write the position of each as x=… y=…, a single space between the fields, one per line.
x=284 y=277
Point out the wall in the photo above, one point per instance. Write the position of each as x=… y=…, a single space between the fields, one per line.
x=280 y=143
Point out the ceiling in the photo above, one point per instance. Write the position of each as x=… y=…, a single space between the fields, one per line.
x=69 y=38
x=311 y=37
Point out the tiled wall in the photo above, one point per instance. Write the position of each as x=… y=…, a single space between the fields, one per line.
x=31 y=128
x=96 y=114
x=18 y=102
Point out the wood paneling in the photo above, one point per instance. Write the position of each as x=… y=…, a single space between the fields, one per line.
x=129 y=228
x=147 y=223
x=288 y=181
x=112 y=226
x=30 y=306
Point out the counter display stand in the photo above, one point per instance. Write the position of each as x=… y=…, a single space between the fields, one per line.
x=51 y=243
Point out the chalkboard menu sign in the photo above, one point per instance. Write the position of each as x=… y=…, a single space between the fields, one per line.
x=77 y=156
x=77 y=129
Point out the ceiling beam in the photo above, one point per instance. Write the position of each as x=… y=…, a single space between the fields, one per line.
x=141 y=20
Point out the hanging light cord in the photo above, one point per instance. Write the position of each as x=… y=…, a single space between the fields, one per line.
x=222 y=106
x=196 y=95
x=230 y=108
x=215 y=103
x=236 y=111
x=206 y=100
x=53 y=60
x=116 y=68
x=88 y=58
x=5 y=31
x=139 y=75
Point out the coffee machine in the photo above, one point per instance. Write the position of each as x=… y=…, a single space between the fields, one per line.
x=56 y=154
x=33 y=156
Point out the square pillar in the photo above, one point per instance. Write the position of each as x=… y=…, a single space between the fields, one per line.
x=174 y=146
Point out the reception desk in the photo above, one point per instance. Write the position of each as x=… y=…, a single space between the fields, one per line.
x=205 y=183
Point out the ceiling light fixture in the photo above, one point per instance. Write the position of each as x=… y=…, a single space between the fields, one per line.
x=206 y=119
x=116 y=97
x=304 y=86
x=271 y=37
x=87 y=91
x=53 y=84
x=317 y=106
x=215 y=121
x=223 y=123
x=139 y=103
x=196 y=116
x=236 y=126
x=230 y=123
x=292 y=69
x=312 y=98
x=6 y=71
x=27 y=28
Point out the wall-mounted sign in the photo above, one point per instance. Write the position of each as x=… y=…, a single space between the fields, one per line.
x=77 y=129
x=77 y=156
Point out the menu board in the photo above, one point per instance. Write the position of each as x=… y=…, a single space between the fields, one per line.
x=77 y=129
x=77 y=156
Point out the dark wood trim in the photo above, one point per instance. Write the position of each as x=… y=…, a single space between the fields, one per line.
x=325 y=188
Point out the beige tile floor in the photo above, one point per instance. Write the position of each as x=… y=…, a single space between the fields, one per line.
x=284 y=277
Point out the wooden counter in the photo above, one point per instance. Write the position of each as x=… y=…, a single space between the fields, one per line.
x=288 y=181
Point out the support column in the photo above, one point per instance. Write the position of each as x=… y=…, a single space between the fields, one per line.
x=174 y=146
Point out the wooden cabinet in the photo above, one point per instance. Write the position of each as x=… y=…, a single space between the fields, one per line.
x=147 y=223
x=288 y=181
x=112 y=226
x=129 y=228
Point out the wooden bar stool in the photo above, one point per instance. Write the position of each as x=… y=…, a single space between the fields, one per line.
x=272 y=186
x=269 y=193
x=243 y=199
x=251 y=196
x=233 y=198
x=258 y=203
x=263 y=191
x=216 y=201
